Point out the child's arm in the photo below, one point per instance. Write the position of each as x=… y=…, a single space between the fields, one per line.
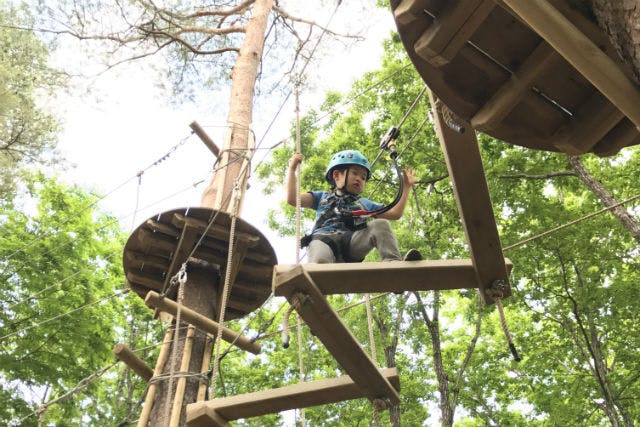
x=397 y=211
x=306 y=199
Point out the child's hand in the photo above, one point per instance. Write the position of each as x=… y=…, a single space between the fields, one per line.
x=296 y=159
x=409 y=177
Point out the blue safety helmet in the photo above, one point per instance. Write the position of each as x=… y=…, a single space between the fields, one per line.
x=346 y=158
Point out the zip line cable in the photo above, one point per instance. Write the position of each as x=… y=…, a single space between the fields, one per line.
x=99 y=199
x=82 y=307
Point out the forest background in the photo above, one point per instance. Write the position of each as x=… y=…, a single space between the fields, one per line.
x=573 y=312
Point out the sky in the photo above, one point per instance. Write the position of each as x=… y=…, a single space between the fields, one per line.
x=118 y=123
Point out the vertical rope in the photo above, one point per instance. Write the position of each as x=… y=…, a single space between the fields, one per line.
x=303 y=420
x=374 y=354
x=181 y=276
x=505 y=328
x=298 y=184
x=227 y=278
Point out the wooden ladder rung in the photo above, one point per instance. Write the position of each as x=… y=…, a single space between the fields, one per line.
x=217 y=412
x=153 y=300
x=394 y=276
x=303 y=294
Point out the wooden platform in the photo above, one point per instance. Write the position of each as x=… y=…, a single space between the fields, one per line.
x=539 y=74
x=161 y=244
x=217 y=412
x=395 y=276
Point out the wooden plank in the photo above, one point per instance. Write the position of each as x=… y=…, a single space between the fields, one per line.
x=623 y=135
x=410 y=10
x=137 y=365
x=582 y=53
x=435 y=40
x=153 y=300
x=327 y=326
x=301 y=395
x=394 y=276
x=464 y=33
x=518 y=86
x=213 y=230
x=464 y=163
x=588 y=126
x=187 y=241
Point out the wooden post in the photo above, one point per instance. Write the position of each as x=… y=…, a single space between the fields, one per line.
x=137 y=365
x=151 y=392
x=178 y=399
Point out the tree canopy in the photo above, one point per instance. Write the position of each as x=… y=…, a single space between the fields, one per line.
x=27 y=129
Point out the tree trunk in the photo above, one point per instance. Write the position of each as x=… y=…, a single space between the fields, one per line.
x=621 y=214
x=217 y=195
x=198 y=298
x=239 y=132
x=447 y=410
x=619 y=20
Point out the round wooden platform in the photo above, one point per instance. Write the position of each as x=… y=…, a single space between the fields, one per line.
x=157 y=249
x=492 y=70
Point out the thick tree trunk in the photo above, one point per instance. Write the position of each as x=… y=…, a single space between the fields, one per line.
x=217 y=196
x=621 y=214
x=239 y=132
x=619 y=19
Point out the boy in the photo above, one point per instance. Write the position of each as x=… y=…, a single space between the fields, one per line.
x=338 y=238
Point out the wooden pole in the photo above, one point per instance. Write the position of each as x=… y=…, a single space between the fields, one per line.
x=151 y=392
x=178 y=399
x=154 y=300
x=206 y=362
x=137 y=365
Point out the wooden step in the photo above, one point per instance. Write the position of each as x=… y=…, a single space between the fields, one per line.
x=393 y=276
x=323 y=321
x=218 y=412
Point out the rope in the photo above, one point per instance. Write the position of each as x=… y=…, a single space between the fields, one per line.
x=303 y=418
x=82 y=384
x=99 y=199
x=553 y=230
x=115 y=294
x=372 y=346
x=235 y=194
x=181 y=278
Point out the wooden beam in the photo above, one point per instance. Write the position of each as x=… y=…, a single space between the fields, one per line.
x=588 y=126
x=394 y=276
x=301 y=395
x=326 y=325
x=452 y=28
x=205 y=138
x=153 y=300
x=582 y=53
x=410 y=10
x=464 y=163
x=518 y=86
x=213 y=230
x=137 y=365
x=623 y=135
x=185 y=245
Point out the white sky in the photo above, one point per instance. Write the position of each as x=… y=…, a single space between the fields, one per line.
x=125 y=123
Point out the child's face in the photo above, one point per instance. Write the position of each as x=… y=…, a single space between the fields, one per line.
x=356 y=179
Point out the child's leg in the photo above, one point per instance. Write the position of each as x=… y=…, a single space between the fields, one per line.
x=319 y=252
x=379 y=235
